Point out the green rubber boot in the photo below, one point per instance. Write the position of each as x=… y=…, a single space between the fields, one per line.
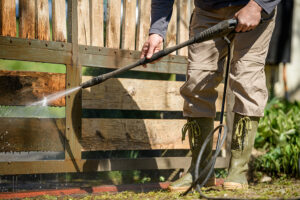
x=244 y=132
x=198 y=129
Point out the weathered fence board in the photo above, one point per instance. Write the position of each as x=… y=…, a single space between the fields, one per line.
x=36 y=51
x=59 y=31
x=84 y=34
x=37 y=44
x=33 y=134
x=27 y=19
x=129 y=25
x=134 y=94
x=126 y=134
x=143 y=23
x=133 y=134
x=120 y=59
x=113 y=24
x=29 y=134
x=53 y=166
x=184 y=18
x=97 y=22
x=8 y=25
x=21 y=88
x=60 y=53
x=172 y=29
x=42 y=20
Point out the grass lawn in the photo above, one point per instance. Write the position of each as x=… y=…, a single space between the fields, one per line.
x=287 y=189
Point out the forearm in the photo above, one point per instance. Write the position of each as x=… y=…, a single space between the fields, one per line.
x=267 y=5
x=161 y=12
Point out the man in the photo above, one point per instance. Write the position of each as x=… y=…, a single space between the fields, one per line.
x=205 y=72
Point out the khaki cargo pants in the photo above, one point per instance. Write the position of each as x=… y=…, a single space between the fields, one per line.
x=207 y=61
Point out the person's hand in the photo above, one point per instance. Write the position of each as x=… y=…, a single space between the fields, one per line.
x=151 y=46
x=248 y=17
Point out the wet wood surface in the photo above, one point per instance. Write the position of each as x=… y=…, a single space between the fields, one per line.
x=31 y=134
x=23 y=88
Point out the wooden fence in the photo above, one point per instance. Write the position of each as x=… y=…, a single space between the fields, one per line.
x=79 y=39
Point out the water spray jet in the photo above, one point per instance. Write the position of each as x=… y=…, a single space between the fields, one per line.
x=52 y=97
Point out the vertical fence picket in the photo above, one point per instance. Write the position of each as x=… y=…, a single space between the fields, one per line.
x=42 y=20
x=184 y=17
x=59 y=31
x=129 y=24
x=84 y=34
x=143 y=23
x=27 y=19
x=172 y=28
x=8 y=18
x=113 y=24
x=96 y=9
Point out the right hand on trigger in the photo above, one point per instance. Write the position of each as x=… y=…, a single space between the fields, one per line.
x=151 y=46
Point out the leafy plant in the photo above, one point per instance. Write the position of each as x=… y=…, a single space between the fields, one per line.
x=221 y=173
x=279 y=135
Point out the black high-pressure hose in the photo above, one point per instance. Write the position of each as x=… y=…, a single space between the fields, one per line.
x=210 y=165
x=219 y=30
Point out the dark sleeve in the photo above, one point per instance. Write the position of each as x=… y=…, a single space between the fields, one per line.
x=267 y=5
x=161 y=12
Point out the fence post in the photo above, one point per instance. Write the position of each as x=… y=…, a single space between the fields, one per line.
x=73 y=101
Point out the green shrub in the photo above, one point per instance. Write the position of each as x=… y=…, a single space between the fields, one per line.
x=279 y=135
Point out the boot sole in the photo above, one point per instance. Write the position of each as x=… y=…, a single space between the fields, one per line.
x=178 y=189
x=234 y=186
x=210 y=183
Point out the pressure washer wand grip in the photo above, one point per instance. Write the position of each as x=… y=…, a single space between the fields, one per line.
x=221 y=29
